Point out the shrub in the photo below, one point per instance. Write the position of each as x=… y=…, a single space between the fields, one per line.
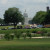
x=39 y=32
x=29 y=34
x=18 y=34
x=34 y=31
x=11 y=37
x=34 y=35
x=7 y=36
x=48 y=34
x=42 y=34
x=44 y=31
x=24 y=35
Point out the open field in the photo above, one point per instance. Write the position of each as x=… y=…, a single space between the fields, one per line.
x=27 y=44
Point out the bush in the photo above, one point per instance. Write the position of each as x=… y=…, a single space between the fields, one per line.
x=34 y=31
x=18 y=34
x=42 y=34
x=7 y=36
x=11 y=37
x=44 y=31
x=48 y=34
x=28 y=34
x=24 y=35
x=39 y=32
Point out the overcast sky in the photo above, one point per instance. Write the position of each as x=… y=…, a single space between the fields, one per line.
x=31 y=6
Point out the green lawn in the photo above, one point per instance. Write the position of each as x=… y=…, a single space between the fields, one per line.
x=27 y=44
x=1 y=27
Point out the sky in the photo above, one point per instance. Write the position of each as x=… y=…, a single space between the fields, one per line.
x=31 y=6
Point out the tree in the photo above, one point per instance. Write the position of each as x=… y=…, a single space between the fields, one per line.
x=13 y=15
x=39 y=17
x=47 y=18
x=1 y=21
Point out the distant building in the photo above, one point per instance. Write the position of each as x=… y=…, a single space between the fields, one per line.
x=27 y=19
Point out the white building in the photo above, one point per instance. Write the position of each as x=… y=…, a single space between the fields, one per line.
x=26 y=18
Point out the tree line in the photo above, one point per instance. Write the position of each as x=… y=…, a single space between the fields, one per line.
x=42 y=17
x=14 y=15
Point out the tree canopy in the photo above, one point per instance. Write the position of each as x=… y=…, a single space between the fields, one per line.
x=13 y=15
x=39 y=17
x=47 y=18
x=1 y=21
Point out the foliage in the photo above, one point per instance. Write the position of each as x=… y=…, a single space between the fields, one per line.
x=48 y=34
x=39 y=17
x=28 y=34
x=47 y=18
x=7 y=36
x=1 y=21
x=11 y=37
x=13 y=15
x=44 y=31
x=34 y=31
x=24 y=35
x=18 y=34
x=42 y=17
x=39 y=32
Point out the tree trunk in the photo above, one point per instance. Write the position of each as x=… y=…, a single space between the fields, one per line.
x=15 y=25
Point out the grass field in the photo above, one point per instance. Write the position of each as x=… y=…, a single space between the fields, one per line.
x=21 y=44
x=27 y=44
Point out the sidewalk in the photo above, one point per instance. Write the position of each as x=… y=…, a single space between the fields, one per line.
x=39 y=37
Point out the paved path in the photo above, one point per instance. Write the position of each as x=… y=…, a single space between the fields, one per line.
x=39 y=37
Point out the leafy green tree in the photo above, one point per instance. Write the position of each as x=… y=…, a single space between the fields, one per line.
x=47 y=18
x=13 y=15
x=39 y=17
x=1 y=21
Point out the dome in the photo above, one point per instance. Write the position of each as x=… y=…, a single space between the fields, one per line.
x=25 y=14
